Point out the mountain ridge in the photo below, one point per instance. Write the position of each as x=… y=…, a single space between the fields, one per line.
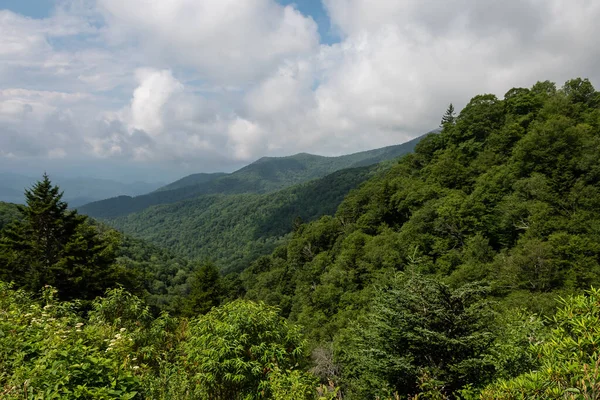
x=264 y=175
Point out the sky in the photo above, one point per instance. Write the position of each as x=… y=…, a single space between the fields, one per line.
x=157 y=89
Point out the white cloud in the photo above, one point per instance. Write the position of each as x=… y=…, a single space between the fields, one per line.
x=149 y=98
x=245 y=138
x=57 y=152
x=228 y=41
x=210 y=83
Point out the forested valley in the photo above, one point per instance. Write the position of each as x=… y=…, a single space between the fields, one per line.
x=467 y=269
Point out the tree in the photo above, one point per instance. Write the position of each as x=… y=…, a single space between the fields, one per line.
x=206 y=291
x=580 y=91
x=448 y=117
x=233 y=351
x=52 y=245
x=419 y=333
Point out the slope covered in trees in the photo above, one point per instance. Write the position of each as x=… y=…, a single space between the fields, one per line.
x=50 y=245
x=234 y=230
x=265 y=175
x=508 y=195
x=43 y=243
x=8 y=213
x=191 y=180
x=245 y=350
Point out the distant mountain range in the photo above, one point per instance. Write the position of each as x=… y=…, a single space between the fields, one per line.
x=232 y=219
x=77 y=191
x=262 y=176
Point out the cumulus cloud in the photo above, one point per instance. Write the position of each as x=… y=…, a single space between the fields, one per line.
x=149 y=98
x=37 y=122
x=228 y=41
x=217 y=82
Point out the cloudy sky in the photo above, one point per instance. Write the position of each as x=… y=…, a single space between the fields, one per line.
x=157 y=89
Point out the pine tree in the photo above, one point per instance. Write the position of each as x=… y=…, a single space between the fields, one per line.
x=206 y=291
x=51 y=245
x=448 y=117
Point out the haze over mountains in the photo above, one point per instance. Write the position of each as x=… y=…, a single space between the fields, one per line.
x=264 y=175
x=77 y=191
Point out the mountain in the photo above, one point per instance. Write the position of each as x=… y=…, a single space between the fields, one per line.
x=508 y=194
x=501 y=210
x=77 y=191
x=233 y=230
x=262 y=176
x=191 y=180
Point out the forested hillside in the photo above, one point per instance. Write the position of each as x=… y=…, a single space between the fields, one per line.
x=506 y=199
x=32 y=258
x=234 y=230
x=191 y=180
x=265 y=175
x=8 y=212
x=463 y=271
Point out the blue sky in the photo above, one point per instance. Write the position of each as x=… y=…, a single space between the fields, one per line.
x=30 y=8
x=314 y=8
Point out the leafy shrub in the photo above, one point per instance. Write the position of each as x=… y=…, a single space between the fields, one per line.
x=570 y=357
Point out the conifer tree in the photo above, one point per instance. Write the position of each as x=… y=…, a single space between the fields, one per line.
x=206 y=291
x=448 y=117
x=52 y=245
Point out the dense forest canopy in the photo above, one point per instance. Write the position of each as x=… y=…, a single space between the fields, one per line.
x=234 y=230
x=464 y=270
x=8 y=212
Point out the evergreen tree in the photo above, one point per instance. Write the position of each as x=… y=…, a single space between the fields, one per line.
x=448 y=117
x=418 y=328
x=206 y=291
x=51 y=245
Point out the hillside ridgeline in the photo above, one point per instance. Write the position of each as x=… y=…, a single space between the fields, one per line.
x=265 y=175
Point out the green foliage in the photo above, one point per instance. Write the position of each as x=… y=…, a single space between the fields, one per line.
x=120 y=351
x=233 y=350
x=8 y=213
x=164 y=280
x=234 y=230
x=50 y=245
x=292 y=385
x=449 y=117
x=419 y=335
x=48 y=351
x=570 y=361
x=206 y=291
